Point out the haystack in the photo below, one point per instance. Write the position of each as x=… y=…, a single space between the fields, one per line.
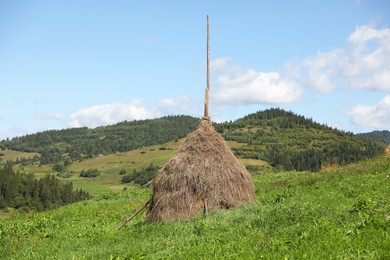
x=203 y=176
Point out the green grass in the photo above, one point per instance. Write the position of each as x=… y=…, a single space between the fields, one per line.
x=13 y=155
x=343 y=213
x=110 y=165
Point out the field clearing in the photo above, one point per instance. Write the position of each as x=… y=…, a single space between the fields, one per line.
x=343 y=214
x=111 y=165
x=254 y=162
x=13 y=155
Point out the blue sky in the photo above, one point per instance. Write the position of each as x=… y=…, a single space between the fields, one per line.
x=89 y=63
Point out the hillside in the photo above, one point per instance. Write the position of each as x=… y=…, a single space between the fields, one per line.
x=114 y=167
x=342 y=213
x=285 y=140
x=81 y=143
x=383 y=136
x=290 y=141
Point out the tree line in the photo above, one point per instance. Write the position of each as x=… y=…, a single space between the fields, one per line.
x=282 y=138
x=81 y=143
x=25 y=192
x=383 y=136
x=292 y=142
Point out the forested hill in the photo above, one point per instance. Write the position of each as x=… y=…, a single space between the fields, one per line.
x=283 y=139
x=383 y=136
x=80 y=143
x=293 y=142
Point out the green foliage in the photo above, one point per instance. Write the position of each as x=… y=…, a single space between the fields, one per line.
x=340 y=214
x=51 y=155
x=24 y=191
x=142 y=176
x=285 y=140
x=58 y=167
x=90 y=173
x=292 y=142
x=21 y=160
x=163 y=148
x=122 y=172
x=64 y=175
x=79 y=143
x=383 y=136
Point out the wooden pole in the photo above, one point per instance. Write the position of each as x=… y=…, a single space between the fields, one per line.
x=132 y=216
x=206 y=102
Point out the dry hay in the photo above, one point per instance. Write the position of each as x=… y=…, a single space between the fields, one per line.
x=387 y=151
x=204 y=175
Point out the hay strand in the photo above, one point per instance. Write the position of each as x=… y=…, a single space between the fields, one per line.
x=204 y=175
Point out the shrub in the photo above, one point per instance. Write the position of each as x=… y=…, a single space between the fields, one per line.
x=64 y=175
x=58 y=167
x=142 y=176
x=90 y=173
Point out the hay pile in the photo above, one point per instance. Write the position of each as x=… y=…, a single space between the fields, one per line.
x=203 y=176
x=387 y=151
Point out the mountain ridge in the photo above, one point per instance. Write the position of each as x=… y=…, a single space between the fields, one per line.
x=283 y=138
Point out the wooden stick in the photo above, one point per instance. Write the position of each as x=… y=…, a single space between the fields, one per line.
x=206 y=102
x=132 y=216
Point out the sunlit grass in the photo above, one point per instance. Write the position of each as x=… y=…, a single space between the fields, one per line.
x=342 y=214
x=13 y=155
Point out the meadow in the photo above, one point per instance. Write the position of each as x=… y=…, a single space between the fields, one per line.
x=110 y=166
x=341 y=212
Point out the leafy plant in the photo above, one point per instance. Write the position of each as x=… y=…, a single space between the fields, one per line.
x=90 y=173
x=58 y=167
x=142 y=176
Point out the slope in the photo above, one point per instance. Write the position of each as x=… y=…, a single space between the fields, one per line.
x=290 y=141
x=81 y=143
x=342 y=213
x=383 y=136
x=282 y=138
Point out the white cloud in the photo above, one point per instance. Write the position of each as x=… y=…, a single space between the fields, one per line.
x=322 y=68
x=109 y=114
x=237 y=86
x=373 y=116
x=363 y=64
x=219 y=64
x=179 y=105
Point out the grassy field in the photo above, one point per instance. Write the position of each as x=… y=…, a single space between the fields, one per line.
x=13 y=155
x=110 y=165
x=342 y=213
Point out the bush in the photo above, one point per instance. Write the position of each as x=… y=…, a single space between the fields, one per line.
x=122 y=172
x=58 y=167
x=142 y=176
x=90 y=173
x=64 y=175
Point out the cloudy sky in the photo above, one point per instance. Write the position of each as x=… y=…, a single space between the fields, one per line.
x=89 y=63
